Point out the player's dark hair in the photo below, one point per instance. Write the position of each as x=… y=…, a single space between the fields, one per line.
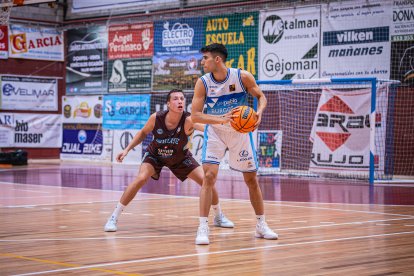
x=216 y=49
x=173 y=91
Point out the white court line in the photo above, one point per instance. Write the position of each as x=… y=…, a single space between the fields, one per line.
x=39 y=196
x=213 y=253
x=161 y=196
x=341 y=210
x=211 y=234
x=274 y=203
x=32 y=191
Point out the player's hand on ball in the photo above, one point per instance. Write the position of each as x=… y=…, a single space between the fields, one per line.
x=259 y=119
x=228 y=117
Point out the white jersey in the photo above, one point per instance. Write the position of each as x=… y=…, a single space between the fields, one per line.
x=221 y=97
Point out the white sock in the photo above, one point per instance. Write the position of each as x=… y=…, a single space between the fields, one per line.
x=260 y=218
x=203 y=221
x=118 y=210
x=216 y=209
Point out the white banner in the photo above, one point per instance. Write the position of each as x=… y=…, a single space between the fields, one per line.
x=27 y=93
x=35 y=42
x=31 y=130
x=81 y=6
x=121 y=140
x=356 y=39
x=402 y=28
x=289 y=41
x=7 y=125
x=82 y=109
x=341 y=131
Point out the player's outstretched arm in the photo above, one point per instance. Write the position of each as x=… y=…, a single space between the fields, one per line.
x=251 y=86
x=138 y=138
x=190 y=126
x=197 y=115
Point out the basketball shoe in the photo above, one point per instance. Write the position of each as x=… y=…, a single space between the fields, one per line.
x=263 y=231
x=222 y=221
x=110 y=225
x=202 y=235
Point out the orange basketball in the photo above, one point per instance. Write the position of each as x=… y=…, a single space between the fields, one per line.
x=244 y=120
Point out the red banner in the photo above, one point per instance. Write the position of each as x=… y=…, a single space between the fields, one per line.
x=131 y=41
x=4 y=45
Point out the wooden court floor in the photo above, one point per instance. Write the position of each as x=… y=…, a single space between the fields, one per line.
x=52 y=218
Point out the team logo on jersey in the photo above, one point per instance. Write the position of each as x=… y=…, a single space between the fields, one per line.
x=159 y=131
x=178 y=129
x=232 y=87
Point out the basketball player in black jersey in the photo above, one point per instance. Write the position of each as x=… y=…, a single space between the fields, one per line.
x=171 y=129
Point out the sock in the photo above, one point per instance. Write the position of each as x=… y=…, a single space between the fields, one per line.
x=260 y=218
x=216 y=209
x=118 y=210
x=203 y=221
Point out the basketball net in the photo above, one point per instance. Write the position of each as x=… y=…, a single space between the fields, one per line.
x=5 y=10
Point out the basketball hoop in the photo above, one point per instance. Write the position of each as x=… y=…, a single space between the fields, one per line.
x=5 y=9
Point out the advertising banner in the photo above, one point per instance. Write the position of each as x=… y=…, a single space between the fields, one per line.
x=121 y=140
x=341 y=131
x=269 y=150
x=179 y=37
x=27 y=93
x=356 y=39
x=130 y=75
x=238 y=32
x=86 y=141
x=402 y=45
x=289 y=43
x=4 y=42
x=7 y=126
x=35 y=42
x=180 y=72
x=82 y=6
x=82 y=109
x=86 y=61
x=30 y=130
x=126 y=111
x=130 y=41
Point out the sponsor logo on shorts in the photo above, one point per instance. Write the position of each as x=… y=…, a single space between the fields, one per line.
x=244 y=153
x=212 y=157
x=187 y=162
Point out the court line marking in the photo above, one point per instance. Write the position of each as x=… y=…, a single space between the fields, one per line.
x=275 y=203
x=271 y=203
x=65 y=264
x=214 y=253
x=221 y=199
x=32 y=191
x=211 y=234
x=340 y=210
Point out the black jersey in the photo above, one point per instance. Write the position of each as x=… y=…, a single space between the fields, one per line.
x=169 y=146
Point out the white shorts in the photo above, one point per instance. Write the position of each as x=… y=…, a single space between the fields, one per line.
x=242 y=152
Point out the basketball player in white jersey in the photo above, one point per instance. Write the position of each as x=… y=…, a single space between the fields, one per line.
x=221 y=90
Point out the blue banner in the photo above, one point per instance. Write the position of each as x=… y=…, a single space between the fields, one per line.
x=177 y=37
x=126 y=111
x=82 y=139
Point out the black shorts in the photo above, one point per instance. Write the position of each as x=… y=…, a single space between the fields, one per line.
x=181 y=169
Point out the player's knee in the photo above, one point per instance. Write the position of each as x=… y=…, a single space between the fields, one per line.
x=251 y=180
x=210 y=178
x=140 y=180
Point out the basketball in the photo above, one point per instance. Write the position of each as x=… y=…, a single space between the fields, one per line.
x=244 y=120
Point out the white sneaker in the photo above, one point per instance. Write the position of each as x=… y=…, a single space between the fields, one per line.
x=202 y=235
x=222 y=221
x=263 y=231
x=110 y=225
